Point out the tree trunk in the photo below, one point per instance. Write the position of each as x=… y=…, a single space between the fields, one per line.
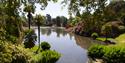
x=29 y=18
x=38 y=37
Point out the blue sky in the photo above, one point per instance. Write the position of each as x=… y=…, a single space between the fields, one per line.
x=54 y=9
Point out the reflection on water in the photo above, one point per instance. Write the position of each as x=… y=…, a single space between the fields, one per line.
x=72 y=47
x=84 y=42
x=59 y=31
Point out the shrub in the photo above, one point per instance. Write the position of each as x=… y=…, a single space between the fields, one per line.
x=50 y=56
x=110 y=54
x=94 y=35
x=121 y=30
x=10 y=53
x=96 y=51
x=30 y=39
x=45 y=46
x=46 y=57
x=114 y=54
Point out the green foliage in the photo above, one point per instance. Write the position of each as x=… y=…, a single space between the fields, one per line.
x=10 y=53
x=106 y=29
x=104 y=39
x=30 y=39
x=46 y=57
x=11 y=38
x=39 y=20
x=121 y=29
x=96 y=51
x=115 y=54
x=94 y=35
x=50 y=56
x=75 y=21
x=110 y=54
x=29 y=8
x=45 y=46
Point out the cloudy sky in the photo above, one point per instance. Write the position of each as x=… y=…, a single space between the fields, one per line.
x=54 y=9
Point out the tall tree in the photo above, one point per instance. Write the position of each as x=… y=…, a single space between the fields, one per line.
x=38 y=19
x=58 y=21
x=63 y=20
x=12 y=10
x=30 y=9
x=12 y=21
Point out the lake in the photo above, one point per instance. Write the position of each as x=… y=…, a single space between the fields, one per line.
x=73 y=48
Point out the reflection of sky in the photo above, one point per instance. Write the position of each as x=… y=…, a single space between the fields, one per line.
x=71 y=52
x=54 y=9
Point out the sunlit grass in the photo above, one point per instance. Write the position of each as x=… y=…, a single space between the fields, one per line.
x=34 y=48
x=121 y=39
x=103 y=39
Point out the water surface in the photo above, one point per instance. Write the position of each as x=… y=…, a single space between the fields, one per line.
x=73 y=48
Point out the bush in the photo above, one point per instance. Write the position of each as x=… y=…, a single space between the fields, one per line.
x=115 y=54
x=30 y=38
x=121 y=29
x=46 y=57
x=94 y=35
x=96 y=51
x=110 y=54
x=45 y=46
x=50 y=56
x=10 y=53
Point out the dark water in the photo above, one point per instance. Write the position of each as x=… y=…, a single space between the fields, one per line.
x=72 y=47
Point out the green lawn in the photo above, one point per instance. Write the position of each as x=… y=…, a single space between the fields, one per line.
x=121 y=39
x=103 y=39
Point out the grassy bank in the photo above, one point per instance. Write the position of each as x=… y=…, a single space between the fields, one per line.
x=121 y=39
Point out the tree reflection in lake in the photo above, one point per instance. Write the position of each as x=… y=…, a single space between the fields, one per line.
x=84 y=42
x=72 y=47
x=47 y=31
x=43 y=31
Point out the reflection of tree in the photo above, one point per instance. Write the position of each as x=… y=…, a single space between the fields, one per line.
x=48 y=32
x=64 y=33
x=58 y=32
x=82 y=41
x=43 y=31
x=70 y=35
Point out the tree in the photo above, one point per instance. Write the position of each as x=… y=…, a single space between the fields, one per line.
x=13 y=22
x=63 y=21
x=30 y=9
x=48 y=19
x=38 y=19
x=115 y=10
x=92 y=11
x=58 y=21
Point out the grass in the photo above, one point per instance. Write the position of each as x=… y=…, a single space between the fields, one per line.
x=34 y=49
x=103 y=39
x=120 y=39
